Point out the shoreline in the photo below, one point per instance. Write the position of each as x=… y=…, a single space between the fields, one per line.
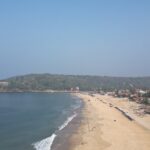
x=62 y=140
x=104 y=127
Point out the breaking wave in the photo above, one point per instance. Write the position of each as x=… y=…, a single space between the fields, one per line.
x=67 y=121
x=46 y=143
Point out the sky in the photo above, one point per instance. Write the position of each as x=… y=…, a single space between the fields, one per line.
x=78 y=37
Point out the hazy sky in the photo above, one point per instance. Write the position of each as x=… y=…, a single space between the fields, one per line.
x=95 y=37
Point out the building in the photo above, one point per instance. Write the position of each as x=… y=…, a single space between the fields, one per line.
x=3 y=83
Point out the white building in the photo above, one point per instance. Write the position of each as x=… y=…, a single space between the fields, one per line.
x=3 y=83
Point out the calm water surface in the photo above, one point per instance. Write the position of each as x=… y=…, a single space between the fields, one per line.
x=26 y=118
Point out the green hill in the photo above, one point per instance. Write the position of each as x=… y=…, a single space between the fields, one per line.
x=65 y=82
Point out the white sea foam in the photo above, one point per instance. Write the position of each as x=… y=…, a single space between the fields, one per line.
x=45 y=144
x=67 y=121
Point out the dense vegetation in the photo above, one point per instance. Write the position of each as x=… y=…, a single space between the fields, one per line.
x=65 y=82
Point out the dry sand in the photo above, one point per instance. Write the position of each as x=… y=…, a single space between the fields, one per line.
x=104 y=127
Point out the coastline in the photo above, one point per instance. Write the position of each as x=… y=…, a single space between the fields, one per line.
x=99 y=125
x=64 y=134
x=62 y=140
x=104 y=127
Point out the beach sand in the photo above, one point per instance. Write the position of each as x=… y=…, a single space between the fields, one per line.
x=104 y=127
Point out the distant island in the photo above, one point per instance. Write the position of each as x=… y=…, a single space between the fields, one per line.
x=48 y=82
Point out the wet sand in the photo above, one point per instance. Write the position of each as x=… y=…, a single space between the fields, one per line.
x=104 y=127
x=62 y=140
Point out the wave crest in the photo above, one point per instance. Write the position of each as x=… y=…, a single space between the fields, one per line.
x=45 y=144
x=67 y=121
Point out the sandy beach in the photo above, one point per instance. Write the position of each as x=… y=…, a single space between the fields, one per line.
x=105 y=127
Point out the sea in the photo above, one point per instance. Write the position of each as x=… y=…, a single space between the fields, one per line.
x=32 y=121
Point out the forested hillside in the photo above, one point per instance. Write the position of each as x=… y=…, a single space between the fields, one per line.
x=65 y=82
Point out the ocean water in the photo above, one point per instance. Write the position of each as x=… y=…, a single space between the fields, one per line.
x=30 y=121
